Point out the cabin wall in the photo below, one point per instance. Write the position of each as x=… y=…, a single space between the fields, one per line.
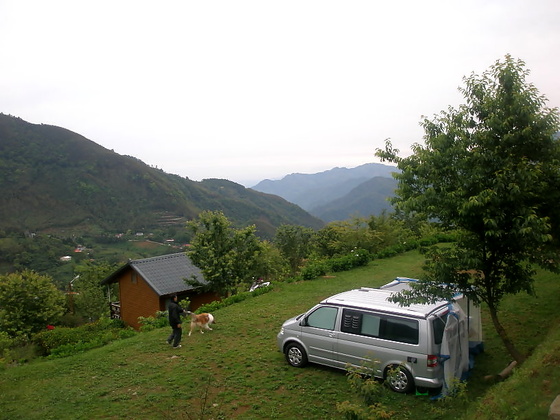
x=137 y=298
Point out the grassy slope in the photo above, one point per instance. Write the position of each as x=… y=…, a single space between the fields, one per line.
x=236 y=371
x=534 y=325
x=528 y=393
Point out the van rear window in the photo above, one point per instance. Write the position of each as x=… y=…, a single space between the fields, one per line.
x=380 y=326
x=438 y=328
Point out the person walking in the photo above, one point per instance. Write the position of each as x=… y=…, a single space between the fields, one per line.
x=175 y=312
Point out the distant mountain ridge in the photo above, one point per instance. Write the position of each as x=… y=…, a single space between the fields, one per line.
x=52 y=179
x=339 y=193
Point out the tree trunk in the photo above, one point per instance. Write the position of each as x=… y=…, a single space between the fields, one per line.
x=510 y=347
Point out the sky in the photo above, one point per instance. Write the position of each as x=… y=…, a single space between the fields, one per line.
x=251 y=90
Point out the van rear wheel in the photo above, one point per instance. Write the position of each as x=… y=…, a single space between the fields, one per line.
x=295 y=355
x=399 y=379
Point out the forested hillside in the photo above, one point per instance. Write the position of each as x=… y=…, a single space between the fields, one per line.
x=52 y=179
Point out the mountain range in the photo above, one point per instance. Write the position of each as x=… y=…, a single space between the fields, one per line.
x=55 y=180
x=339 y=193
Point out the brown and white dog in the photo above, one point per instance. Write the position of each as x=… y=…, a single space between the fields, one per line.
x=201 y=321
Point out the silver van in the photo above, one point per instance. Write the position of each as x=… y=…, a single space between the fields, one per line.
x=360 y=326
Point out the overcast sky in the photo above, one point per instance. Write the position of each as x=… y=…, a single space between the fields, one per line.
x=249 y=90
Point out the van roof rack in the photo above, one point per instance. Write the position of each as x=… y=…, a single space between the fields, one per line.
x=376 y=299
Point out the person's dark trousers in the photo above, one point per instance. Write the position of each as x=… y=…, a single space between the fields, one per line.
x=175 y=336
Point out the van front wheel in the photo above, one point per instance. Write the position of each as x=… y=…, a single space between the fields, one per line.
x=399 y=379
x=295 y=355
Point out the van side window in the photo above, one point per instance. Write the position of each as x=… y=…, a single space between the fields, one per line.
x=351 y=321
x=400 y=329
x=323 y=317
x=363 y=323
x=381 y=326
x=371 y=324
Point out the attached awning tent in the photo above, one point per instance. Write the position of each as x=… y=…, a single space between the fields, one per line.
x=462 y=336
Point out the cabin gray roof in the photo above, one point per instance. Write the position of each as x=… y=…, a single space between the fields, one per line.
x=165 y=274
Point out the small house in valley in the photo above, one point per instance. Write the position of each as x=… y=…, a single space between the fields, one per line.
x=146 y=285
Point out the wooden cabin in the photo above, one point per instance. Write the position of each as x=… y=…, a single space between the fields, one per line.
x=146 y=286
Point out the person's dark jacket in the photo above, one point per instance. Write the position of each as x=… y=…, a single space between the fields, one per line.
x=175 y=312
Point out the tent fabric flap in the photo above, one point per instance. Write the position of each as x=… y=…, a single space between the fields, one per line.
x=454 y=352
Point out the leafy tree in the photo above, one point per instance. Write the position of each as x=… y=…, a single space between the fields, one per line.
x=326 y=240
x=90 y=300
x=491 y=169
x=294 y=243
x=270 y=265
x=371 y=234
x=28 y=303
x=226 y=256
x=390 y=230
x=341 y=237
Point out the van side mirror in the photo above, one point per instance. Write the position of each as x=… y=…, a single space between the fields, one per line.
x=303 y=322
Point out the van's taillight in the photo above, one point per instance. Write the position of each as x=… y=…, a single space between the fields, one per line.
x=432 y=360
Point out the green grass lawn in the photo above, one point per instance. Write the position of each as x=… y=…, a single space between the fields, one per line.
x=236 y=371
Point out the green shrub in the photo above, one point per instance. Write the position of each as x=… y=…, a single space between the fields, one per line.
x=314 y=270
x=5 y=342
x=15 y=350
x=390 y=251
x=341 y=263
x=150 y=323
x=411 y=244
x=446 y=237
x=66 y=350
x=102 y=338
x=71 y=320
x=103 y=331
x=109 y=323
x=51 y=339
x=356 y=258
x=23 y=353
x=213 y=306
x=373 y=395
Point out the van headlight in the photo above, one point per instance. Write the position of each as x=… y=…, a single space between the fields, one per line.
x=281 y=331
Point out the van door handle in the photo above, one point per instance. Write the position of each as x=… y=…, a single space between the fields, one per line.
x=332 y=334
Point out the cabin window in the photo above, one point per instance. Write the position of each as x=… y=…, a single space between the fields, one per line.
x=134 y=278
